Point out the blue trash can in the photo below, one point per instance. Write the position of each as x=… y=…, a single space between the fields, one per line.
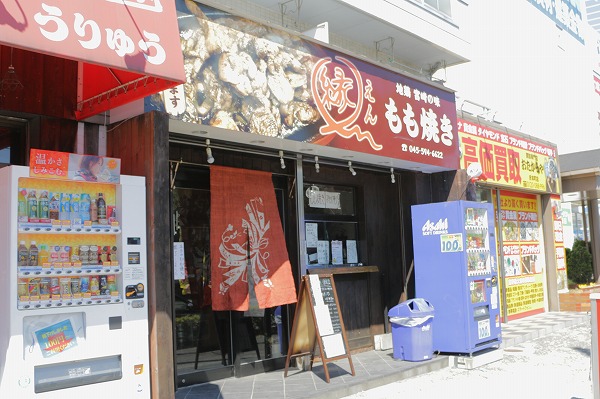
x=412 y=335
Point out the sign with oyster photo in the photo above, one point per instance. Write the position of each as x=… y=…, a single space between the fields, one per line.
x=252 y=78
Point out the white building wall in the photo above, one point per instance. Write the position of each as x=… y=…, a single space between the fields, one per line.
x=536 y=76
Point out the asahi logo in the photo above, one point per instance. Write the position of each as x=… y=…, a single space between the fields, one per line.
x=430 y=228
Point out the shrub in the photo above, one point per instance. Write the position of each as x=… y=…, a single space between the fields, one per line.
x=579 y=263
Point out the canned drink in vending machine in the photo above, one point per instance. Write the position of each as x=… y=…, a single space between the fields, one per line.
x=65 y=287
x=75 y=286
x=23 y=289
x=34 y=288
x=84 y=254
x=84 y=285
x=112 y=283
x=45 y=287
x=54 y=288
x=104 y=286
x=93 y=255
x=75 y=254
x=94 y=285
x=114 y=254
x=104 y=254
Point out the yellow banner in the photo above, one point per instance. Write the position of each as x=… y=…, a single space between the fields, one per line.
x=508 y=160
x=522 y=256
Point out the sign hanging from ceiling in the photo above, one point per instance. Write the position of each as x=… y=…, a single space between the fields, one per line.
x=119 y=34
x=252 y=78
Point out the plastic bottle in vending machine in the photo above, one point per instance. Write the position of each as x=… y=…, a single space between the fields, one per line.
x=32 y=205
x=84 y=207
x=22 y=254
x=22 y=205
x=44 y=205
x=54 y=206
x=75 y=216
x=94 y=210
x=102 y=219
x=65 y=206
x=43 y=255
x=33 y=254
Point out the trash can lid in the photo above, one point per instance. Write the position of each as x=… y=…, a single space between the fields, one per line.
x=417 y=307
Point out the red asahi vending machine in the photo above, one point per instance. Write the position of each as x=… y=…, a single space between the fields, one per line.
x=73 y=307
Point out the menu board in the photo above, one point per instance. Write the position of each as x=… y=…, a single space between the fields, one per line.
x=318 y=320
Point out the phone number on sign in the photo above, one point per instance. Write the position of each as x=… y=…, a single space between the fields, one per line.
x=422 y=151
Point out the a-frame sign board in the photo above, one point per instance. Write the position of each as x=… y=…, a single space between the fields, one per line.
x=318 y=321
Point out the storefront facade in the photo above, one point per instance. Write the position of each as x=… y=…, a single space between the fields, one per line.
x=63 y=63
x=345 y=142
x=359 y=147
x=519 y=175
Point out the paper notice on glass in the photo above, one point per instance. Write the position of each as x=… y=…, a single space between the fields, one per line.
x=323 y=252
x=311 y=235
x=178 y=261
x=351 y=254
x=323 y=320
x=315 y=286
x=337 y=255
x=334 y=345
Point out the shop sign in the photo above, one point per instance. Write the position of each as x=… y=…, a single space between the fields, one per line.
x=509 y=160
x=66 y=166
x=523 y=260
x=565 y=14
x=117 y=33
x=251 y=78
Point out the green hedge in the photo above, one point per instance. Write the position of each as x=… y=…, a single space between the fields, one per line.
x=579 y=263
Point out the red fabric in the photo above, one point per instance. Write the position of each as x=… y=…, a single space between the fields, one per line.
x=244 y=210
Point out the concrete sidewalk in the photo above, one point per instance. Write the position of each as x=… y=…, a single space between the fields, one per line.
x=551 y=362
x=373 y=368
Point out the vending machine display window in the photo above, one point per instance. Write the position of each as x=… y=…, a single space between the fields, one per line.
x=68 y=244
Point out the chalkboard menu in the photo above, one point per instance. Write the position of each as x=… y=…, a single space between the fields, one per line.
x=318 y=320
x=329 y=300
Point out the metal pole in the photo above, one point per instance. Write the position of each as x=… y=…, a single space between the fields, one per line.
x=595 y=361
x=500 y=251
x=300 y=213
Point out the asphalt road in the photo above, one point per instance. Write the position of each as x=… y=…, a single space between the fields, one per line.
x=556 y=366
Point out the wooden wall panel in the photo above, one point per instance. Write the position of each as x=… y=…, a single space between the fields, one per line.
x=50 y=83
x=142 y=145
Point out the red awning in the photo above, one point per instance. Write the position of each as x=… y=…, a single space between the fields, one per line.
x=128 y=49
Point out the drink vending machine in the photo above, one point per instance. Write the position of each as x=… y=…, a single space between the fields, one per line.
x=456 y=271
x=73 y=308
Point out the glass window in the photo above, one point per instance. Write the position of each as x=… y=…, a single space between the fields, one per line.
x=331 y=225
x=442 y=6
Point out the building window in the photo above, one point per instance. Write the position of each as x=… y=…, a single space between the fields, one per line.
x=331 y=224
x=443 y=6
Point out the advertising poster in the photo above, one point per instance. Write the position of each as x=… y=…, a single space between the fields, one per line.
x=509 y=160
x=56 y=338
x=523 y=258
x=63 y=165
x=251 y=78
x=559 y=245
